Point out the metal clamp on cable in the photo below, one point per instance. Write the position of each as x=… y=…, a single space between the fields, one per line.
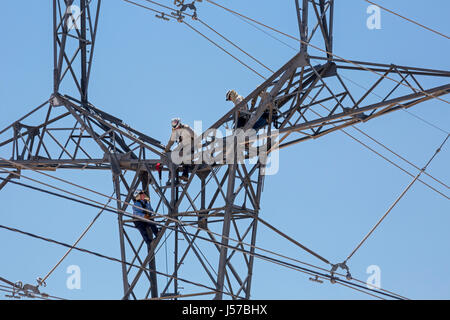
x=332 y=277
x=41 y=282
x=162 y=16
x=316 y=279
x=343 y=266
x=15 y=290
x=178 y=16
x=188 y=6
x=30 y=291
x=27 y=290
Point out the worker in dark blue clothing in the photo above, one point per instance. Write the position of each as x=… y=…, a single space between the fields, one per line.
x=244 y=113
x=141 y=208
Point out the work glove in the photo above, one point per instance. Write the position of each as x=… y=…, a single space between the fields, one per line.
x=147 y=216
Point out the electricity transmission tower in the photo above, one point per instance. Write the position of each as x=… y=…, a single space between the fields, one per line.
x=304 y=99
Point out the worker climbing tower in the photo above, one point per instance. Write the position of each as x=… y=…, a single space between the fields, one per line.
x=219 y=205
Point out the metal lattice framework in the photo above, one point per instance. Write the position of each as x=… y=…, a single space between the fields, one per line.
x=306 y=101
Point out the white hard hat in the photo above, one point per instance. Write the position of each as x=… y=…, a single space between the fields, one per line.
x=175 y=122
x=138 y=192
x=229 y=93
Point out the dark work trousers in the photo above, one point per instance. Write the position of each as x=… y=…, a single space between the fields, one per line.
x=241 y=122
x=143 y=229
x=260 y=123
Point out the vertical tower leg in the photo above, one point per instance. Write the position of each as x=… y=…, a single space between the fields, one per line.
x=121 y=237
x=226 y=231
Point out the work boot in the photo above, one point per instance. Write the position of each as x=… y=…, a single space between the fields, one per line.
x=184 y=178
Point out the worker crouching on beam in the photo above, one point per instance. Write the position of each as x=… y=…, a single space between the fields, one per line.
x=184 y=136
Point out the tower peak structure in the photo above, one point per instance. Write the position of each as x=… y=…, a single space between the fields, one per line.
x=305 y=99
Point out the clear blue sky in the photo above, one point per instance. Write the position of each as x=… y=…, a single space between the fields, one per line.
x=328 y=193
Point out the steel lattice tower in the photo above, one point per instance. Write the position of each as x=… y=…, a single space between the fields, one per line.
x=223 y=198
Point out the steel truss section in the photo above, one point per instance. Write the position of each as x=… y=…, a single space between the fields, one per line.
x=305 y=99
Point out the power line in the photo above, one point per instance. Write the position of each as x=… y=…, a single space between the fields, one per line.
x=397 y=200
x=101 y=255
x=254 y=59
x=294 y=38
x=423 y=171
x=145 y=7
x=116 y=211
x=326 y=261
x=113 y=211
x=225 y=39
x=17 y=288
x=347 y=78
x=200 y=33
x=253 y=20
x=184 y=295
x=71 y=199
x=292 y=240
x=282 y=263
x=76 y=242
x=410 y=20
x=383 y=157
x=269 y=68
x=399 y=156
x=380 y=155
x=332 y=54
x=373 y=139
x=55 y=194
x=265 y=32
x=15 y=294
x=273 y=260
x=164 y=6
x=224 y=50
x=404 y=110
x=384 y=146
x=234 y=45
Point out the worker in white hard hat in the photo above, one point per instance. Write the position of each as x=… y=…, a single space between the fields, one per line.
x=184 y=136
x=142 y=208
x=243 y=114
